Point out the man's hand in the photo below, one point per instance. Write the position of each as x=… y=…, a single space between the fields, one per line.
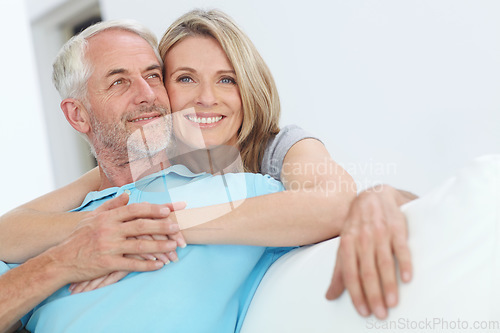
x=100 y=242
x=374 y=232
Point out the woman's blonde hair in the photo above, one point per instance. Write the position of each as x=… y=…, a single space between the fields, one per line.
x=259 y=95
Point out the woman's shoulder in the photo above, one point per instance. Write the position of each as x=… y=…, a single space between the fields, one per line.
x=287 y=137
x=278 y=146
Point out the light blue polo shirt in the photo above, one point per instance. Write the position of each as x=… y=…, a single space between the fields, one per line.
x=208 y=290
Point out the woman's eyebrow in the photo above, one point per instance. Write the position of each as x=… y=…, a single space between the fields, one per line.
x=187 y=69
x=192 y=70
x=226 y=71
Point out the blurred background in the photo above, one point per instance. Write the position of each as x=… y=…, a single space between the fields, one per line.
x=400 y=92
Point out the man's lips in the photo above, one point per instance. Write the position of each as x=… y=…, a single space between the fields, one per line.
x=145 y=117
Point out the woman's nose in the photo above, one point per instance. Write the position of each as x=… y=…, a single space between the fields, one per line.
x=206 y=96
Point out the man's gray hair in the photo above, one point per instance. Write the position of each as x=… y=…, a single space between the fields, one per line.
x=71 y=69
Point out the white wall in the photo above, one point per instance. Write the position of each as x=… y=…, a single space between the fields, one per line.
x=51 y=24
x=403 y=92
x=25 y=165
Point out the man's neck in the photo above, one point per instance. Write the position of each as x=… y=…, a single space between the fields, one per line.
x=116 y=173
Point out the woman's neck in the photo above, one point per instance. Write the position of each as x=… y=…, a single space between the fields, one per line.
x=214 y=160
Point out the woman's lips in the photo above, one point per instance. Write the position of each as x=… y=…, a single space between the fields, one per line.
x=207 y=120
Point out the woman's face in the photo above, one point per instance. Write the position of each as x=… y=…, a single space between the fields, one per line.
x=203 y=91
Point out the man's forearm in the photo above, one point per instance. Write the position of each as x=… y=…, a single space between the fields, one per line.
x=23 y=287
x=36 y=230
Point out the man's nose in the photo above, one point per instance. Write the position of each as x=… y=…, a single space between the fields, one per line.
x=144 y=93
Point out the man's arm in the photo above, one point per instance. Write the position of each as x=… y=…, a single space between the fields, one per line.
x=95 y=248
x=43 y=222
x=374 y=233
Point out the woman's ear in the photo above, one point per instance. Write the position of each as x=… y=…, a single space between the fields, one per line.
x=76 y=114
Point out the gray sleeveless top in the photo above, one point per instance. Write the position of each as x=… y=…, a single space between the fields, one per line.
x=278 y=146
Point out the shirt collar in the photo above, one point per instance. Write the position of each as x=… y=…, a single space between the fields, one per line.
x=178 y=169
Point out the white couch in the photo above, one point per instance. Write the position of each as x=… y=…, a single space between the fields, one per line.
x=454 y=236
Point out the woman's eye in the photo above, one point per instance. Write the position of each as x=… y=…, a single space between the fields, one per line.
x=228 y=80
x=185 y=79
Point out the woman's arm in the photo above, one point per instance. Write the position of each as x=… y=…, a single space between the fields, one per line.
x=313 y=207
x=32 y=228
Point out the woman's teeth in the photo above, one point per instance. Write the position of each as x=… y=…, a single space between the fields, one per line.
x=204 y=120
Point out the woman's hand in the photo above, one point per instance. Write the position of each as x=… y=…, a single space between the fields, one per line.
x=374 y=233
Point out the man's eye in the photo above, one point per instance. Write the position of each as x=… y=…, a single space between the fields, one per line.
x=117 y=82
x=227 y=80
x=154 y=76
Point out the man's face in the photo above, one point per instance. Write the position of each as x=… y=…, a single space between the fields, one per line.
x=126 y=96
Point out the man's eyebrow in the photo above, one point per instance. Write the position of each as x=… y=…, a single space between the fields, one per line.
x=153 y=67
x=116 y=71
x=123 y=70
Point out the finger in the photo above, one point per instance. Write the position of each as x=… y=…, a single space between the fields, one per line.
x=172 y=256
x=179 y=205
x=403 y=255
x=92 y=285
x=336 y=287
x=141 y=210
x=179 y=238
x=117 y=202
x=351 y=275
x=112 y=278
x=371 y=285
x=132 y=264
x=141 y=246
x=145 y=256
x=387 y=269
x=144 y=226
x=79 y=287
x=165 y=257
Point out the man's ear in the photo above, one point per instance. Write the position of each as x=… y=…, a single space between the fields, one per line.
x=76 y=114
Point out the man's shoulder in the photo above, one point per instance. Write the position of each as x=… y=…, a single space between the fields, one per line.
x=256 y=183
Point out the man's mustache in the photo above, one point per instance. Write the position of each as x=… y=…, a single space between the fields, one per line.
x=162 y=111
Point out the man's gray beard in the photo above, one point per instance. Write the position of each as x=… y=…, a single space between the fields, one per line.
x=122 y=146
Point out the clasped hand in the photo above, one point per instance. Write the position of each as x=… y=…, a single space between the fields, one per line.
x=112 y=214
